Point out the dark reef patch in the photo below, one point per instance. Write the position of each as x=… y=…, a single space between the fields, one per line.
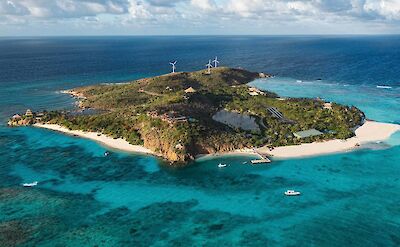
x=13 y=233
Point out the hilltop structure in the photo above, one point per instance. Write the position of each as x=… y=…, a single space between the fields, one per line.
x=29 y=113
x=190 y=90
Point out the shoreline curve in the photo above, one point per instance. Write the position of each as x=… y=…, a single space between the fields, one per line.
x=369 y=132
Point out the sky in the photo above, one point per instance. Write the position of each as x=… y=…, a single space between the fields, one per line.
x=198 y=17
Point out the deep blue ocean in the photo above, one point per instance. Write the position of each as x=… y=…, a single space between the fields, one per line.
x=86 y=199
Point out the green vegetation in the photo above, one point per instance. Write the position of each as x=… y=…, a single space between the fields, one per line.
x=157 y=113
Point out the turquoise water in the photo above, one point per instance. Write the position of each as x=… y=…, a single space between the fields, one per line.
x=86 y=199
x=380 y=104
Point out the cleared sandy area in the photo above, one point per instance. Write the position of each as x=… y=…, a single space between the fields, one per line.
x=369 y=132
x=119 y=143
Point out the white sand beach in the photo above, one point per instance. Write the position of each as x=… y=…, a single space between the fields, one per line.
x=119 y=143
x=369 y=132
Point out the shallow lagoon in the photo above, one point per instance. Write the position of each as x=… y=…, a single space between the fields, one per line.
x=84 y=198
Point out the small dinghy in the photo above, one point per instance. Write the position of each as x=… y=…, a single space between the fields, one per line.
x=30 y=184
x=220 y=165
x=292 y=193
x=106 y=153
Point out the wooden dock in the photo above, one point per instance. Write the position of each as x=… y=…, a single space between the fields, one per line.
x=263 y=159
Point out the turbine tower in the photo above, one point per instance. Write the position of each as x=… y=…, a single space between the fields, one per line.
x=209 y=66
x=216 y=62
x=173 y=66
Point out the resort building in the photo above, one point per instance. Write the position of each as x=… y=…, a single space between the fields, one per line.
x=255 y=91
x=179 y=146
x=39 y=117
x=29 y=113
x=328 y=105
x=170 y=117
x=190 y=90
x=16 y=117
x=307 y=133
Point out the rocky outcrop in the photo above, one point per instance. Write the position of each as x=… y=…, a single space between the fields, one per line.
x=20 y=122
x=263 y=75
x=169 y=148
x=166 y=150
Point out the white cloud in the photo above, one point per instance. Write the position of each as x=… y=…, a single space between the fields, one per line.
x=12 y=8
x=137 y=9
x=301 y=7
x=62 y=8
x=389 y=9
x=245 y=8
x=205 y=5
x=246 y=14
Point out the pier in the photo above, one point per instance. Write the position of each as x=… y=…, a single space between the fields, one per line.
x=263 y=159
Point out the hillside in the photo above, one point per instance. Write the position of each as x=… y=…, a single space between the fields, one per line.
x=184 y=114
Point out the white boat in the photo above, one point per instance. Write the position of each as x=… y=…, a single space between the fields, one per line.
x=292 y=193
x=299 y=81
x=106 y=153
x=262 y=161
x=385 y=87
x=30 y=184
x=220 y=165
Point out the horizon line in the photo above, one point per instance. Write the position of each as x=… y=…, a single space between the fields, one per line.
x=197 y=35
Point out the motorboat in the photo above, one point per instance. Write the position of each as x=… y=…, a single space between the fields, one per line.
x=384 y=87
x=292 y=193
x=261 y=161
x=30 y=184
x=106 y=153
x=220 y=165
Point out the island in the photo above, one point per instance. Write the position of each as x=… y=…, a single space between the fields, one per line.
x=181 y=116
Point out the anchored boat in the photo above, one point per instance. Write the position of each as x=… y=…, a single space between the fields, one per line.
x=262 y=161
x=220 y=165
x=292 y=193
x=30 y=184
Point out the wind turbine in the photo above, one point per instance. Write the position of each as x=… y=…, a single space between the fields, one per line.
x=173 y=66
x=216 y=62
x=209 y=66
